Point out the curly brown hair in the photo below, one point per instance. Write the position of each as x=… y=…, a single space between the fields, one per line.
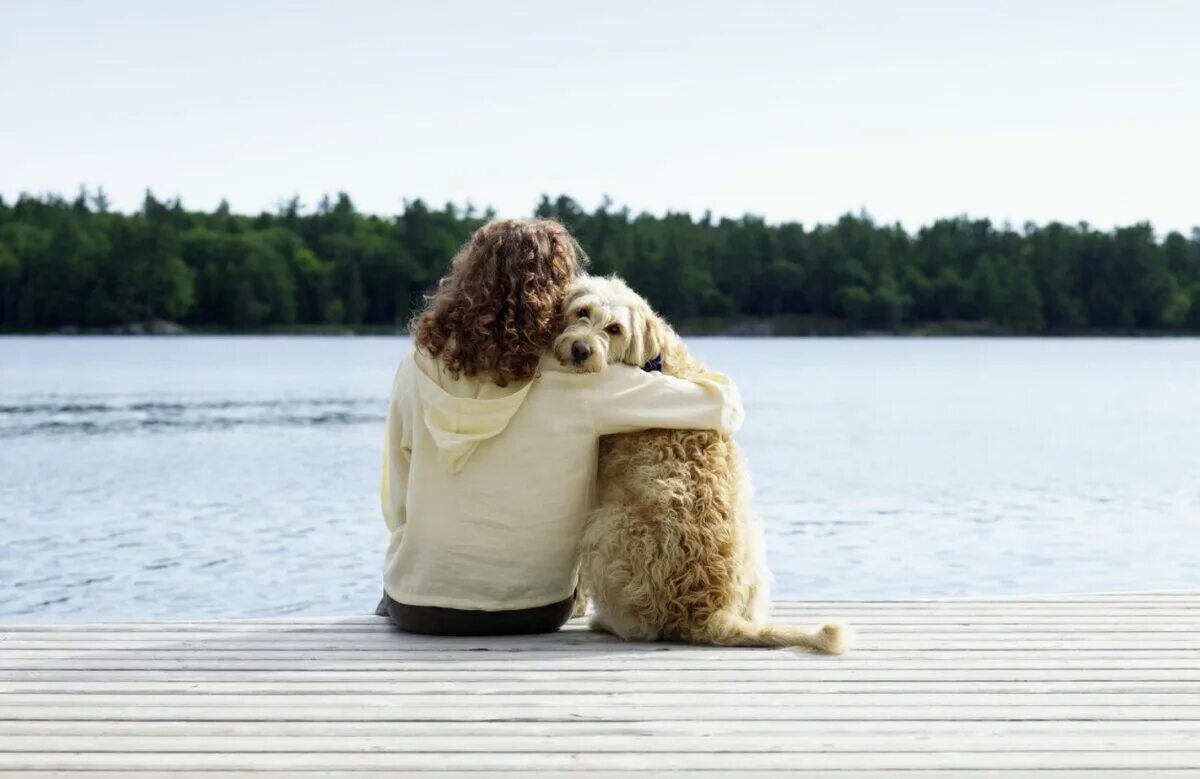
x=498 y=309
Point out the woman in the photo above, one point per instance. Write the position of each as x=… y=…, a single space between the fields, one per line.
x=491 y=445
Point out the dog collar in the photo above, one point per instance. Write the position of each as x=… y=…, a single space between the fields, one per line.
x=653 y=365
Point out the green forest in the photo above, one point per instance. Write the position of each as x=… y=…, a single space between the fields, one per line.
x=77 y=264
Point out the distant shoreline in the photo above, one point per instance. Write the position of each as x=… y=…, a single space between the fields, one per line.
x=785 y=326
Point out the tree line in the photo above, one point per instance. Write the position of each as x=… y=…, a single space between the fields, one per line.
x=78 y=263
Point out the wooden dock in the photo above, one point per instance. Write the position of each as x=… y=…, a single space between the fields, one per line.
x=1081 y=686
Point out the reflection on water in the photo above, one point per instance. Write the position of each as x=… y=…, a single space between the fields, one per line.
x=203 y=477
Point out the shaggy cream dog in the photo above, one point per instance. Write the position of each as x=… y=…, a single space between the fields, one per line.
x=672 y=550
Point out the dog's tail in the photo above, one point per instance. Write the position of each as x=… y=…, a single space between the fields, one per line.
x=728 y=629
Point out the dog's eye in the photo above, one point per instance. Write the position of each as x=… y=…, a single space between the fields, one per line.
x=613 y=329
x=582 y=313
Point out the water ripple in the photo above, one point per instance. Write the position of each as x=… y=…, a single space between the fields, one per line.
x=98 y=418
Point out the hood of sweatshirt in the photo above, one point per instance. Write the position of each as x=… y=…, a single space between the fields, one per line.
x=462 y=413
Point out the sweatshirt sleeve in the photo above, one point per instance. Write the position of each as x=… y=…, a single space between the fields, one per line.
x=396 y=454
x=625 y=399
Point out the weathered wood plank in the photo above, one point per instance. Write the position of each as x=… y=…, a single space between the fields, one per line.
x=1132 y=642
x=564 y=699
x=1115 y=631
x=258 y=773
x=937 y=773
x=1176 y=741
x=560 y=760
x=620 y=711
x=1093 y=608
x=583 y=664
x=952 y=626
x=1067 y=608
x=1016 y=729
x=697 y=686
x=567 y=679
x=390 y=637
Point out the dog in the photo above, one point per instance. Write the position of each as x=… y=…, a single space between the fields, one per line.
x=672 y=550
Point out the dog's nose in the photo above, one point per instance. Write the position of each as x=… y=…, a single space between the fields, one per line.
x=580 y=351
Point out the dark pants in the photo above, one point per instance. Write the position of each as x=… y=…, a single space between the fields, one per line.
x=437 y=621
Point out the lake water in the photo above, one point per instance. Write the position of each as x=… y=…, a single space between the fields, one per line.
x=205 y=477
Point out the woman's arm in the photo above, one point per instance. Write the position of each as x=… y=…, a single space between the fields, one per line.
x=396 y=453
x=625 y=399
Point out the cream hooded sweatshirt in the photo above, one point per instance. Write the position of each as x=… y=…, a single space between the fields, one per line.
x=485 y=488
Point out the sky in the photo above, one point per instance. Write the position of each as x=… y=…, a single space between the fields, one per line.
x=795 y=111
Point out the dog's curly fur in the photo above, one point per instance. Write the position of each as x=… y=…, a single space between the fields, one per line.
x=672 y=549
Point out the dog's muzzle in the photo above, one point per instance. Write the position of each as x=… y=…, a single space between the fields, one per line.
x=580 y=352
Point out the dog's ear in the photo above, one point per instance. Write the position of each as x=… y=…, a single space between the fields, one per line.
x=646 y=338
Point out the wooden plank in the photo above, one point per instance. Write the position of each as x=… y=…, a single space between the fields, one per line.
x=1070 y=608
x=389 y=637
x=882 y=626
x=898 y=613
x=395 y=639
x=1149 y=597
x=616 y=711
x=619 y=742
x=900 y=619
x=562 y=700
x=567 y=679
x=607 y=663
x=259 y=773
x=828 y=761
x=696 y=686
x=1132 y=642
x=1013 y=729
x=892 y=616
x=881 y=611
x=781 y=661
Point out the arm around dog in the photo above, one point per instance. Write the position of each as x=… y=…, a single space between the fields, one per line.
x=625 y=399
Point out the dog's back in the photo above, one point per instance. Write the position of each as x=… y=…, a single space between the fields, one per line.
x=673 y=552
x=672 y=542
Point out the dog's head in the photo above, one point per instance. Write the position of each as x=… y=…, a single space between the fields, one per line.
x=607 y=322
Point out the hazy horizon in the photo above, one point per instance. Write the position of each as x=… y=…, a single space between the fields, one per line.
x=1070 y=112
